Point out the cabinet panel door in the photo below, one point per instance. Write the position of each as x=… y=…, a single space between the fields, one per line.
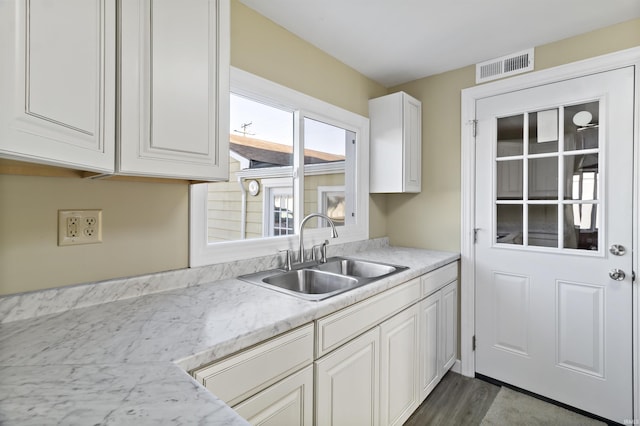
x=399 y=367
x=347 y=383
x=57 y=79
x=286 y=403
x=449 y=325
x=175 y=89
x=412 y=145
x=430 y=318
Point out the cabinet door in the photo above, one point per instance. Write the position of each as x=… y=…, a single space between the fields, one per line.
x=430 y=330
x=412 y=156
x=347 y=383
x=399 y=367
x=57 y=80
x=396 y=144
x=286 y=403
x=449 y=340
x=174 y=89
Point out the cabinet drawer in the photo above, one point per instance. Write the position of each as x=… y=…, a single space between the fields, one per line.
x=240 y=376
x=289 y=402
x=437 y=279
x=342 y=326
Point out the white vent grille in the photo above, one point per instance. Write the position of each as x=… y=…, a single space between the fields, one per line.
x=505 y=66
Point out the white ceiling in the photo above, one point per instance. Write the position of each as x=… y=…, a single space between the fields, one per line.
x=395 y=41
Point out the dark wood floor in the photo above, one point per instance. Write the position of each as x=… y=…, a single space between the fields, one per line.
x=457 y=400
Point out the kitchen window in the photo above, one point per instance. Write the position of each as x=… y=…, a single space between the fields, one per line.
x=290 y=155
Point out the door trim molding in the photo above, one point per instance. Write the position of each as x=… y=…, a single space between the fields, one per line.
x=628 y=57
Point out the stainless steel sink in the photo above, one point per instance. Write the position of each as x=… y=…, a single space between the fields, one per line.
x=356 y=268
x=311 y=282
x=318 y=281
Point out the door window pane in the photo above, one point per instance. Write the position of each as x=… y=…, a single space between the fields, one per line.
x=581 y=126
x=543 y=225
x=581 y=226
x=510 y=135
x=543 y=178
x=509 y=180
x=543 y=131
x=509 y=224
x=581 y=177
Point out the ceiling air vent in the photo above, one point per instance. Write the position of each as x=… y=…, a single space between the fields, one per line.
x=505 y=66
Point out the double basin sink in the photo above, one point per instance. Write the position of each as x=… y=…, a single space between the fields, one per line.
x=318 y=281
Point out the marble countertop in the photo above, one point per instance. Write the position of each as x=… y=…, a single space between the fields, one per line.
x=125 y=362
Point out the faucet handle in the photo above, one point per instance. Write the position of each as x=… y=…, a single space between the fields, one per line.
x=287 y=260
x=323 y=251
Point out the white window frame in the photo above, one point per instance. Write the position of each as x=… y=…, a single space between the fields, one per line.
x=201 y=252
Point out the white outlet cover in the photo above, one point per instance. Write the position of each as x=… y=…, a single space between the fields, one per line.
x=88 y=227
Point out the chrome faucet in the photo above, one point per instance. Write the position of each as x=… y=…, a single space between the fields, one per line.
x=334 y=233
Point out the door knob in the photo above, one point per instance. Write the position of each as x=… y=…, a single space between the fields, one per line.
x=617 y=250
x=617 y=274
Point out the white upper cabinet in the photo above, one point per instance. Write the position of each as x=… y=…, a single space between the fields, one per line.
x=396 y=141
x=57 y=80
x=174 y=89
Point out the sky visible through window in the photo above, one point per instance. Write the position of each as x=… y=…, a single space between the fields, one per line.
x=276 y=125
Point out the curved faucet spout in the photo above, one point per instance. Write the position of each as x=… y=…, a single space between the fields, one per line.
x=334 y=233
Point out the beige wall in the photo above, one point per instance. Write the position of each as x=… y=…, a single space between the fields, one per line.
x=146 y=224
x=431 y=219
x=144 y=230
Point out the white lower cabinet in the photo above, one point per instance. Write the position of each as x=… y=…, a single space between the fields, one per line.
x=347 y=383
x=374 y=361
x=286 y=403
x=430 y=319
x=399 y=366
x=438 y=335
x=449 y=341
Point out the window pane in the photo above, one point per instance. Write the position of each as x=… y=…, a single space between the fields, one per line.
x=510 y=135
x=581 y=226
x=543 y=225
x=543 y=178
x=260 y=151
x=325 y=158
x=509 y=224
x=509 y=180
x=543 y=132
x=581 y=177
x=581 y=126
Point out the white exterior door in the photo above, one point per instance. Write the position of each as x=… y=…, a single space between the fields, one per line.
x=554 y=169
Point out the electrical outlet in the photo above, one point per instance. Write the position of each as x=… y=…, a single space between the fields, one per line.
x=79 y=227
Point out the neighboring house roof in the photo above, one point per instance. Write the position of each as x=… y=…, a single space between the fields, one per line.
x=261 y=153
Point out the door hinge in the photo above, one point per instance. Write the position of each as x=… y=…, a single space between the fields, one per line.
x=474 y=123
x=475 y=235
x=473 y=343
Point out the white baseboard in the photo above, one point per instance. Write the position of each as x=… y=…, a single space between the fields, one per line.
x=457 y=367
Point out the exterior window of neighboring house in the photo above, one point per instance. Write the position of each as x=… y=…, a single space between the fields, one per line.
x=289 y=155
x=277 y=207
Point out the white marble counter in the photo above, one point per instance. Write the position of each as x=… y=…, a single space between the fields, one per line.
x=124 y=362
